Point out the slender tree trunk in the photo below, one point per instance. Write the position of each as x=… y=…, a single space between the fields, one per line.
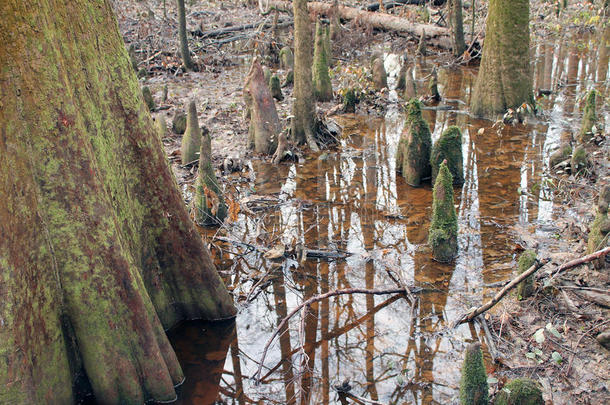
x=304 y=107
x=97 y=253
x=184 y=45
x=505 y=77
x=457 y=27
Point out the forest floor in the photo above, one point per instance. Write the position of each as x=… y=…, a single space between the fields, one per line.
x=575 y=305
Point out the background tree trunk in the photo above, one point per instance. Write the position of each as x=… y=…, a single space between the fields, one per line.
x=184 y=45
x=505 y=78
x=304 y=107
x=97 y=253
x=457 y=27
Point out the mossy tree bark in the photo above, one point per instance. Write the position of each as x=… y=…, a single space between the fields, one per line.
x=323 y=89
x=303 y=107
x=97 y=254
x=184 y=44
x=208 y=203
x=505 y=78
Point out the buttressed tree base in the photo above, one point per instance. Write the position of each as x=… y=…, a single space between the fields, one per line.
x=97 y=254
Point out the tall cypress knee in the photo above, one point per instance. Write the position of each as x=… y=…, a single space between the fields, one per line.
x=449 y=148
x=191 y=140
x=413 y=154
x=589 y=116
x=321 y=80
x=444 y=226
x=473 y=385
x=526 y=260
x=208 y=203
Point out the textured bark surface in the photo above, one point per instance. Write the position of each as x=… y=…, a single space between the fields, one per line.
x=322 y=86
x=457 y=27
x=303 y=107
x=97 y=253
x=191 y=140
x=208 y=202
x=265 y=125
x=505 y=77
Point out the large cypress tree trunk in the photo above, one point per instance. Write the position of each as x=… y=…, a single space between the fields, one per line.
x=505 y=78
x=97 y=253
x=304 y=107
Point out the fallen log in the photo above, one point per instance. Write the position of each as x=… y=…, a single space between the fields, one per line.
x=437 y=36
x=468 y=317
x=236 y=28
x=393 y=3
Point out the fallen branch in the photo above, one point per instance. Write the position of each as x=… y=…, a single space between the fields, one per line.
x=224 y=31
x=468 y=317
x=437 y=36
x=316 y=299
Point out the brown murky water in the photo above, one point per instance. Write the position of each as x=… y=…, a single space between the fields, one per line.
x=351 y=199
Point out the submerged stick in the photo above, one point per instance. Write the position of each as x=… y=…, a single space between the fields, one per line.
x=320 y=298
x=468 y=317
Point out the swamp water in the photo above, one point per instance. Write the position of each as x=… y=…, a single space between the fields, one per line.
x=389 y=348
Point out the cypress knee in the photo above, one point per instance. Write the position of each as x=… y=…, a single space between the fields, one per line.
x=449 y=148
x=208 y=203
x=321 y=79
x=473 y=385
x=191 y=140
x=526 y=287
x=444 y=226
x=413 y=154
x=589 y=117
x=521 y=391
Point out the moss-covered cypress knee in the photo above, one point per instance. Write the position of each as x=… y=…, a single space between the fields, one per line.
x=589 y=117
x=600 y=227
x=350 y=99
x=148 y=98
x=276 y=88
x=132 y=57
x=521 y=391
x=449 y=148
x=580 y=161
x=560 y=155
x=179 y=122
x=433 y=86
x=473 y=385
x=526 y=287
x=413 y=154
x=286 y=58
x=322 y=86
x=380 y=77
x=443 y=227
x=161 y=126
x=208 y=203
x=191 y=140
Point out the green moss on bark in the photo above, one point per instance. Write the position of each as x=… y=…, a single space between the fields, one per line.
x=350 y=99
x=286 y=58
x=321 y=79
x=589 y=117
x=443 y=227
x=413 y=153
x=473 y=385
x=521 y=391
x=526 y=287
x=191 y=140
x=102 y=256
x=449 y=148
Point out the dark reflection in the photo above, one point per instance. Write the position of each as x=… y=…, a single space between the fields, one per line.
x=201 y=348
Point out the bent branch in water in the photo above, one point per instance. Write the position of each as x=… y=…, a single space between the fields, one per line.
x=320 y=298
